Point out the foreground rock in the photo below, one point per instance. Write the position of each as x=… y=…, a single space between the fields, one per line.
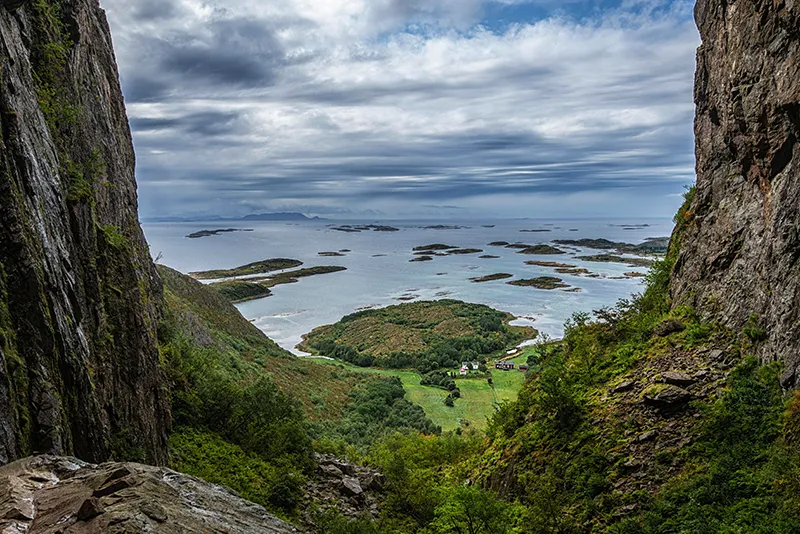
x=51 y=494
x=353 y=491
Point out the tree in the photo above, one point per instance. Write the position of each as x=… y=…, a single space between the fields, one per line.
x=471 y=510
x=448 y=401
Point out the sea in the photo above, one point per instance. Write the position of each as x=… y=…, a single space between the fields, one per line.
x=380 y=274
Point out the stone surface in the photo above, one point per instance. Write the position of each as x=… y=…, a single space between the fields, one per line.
x=59 y=492
x=740 y=249
x=624 y=386
x=669 y=398
x=351 y=487
x=677 y=378
x=351 y=490
x=79 y=296
x=667 y=327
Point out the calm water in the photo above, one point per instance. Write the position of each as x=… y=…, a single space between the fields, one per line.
x=379 y=272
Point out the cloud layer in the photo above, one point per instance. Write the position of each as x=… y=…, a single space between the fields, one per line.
x=400 y=106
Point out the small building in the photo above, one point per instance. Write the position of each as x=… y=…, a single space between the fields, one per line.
x=523 y=367
x=512 y=351
x=504 y=366
x=465 y=365
x=463 y=371
x=475 y=366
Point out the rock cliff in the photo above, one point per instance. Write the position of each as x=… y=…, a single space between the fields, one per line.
x=79 y=296
x=740 y=238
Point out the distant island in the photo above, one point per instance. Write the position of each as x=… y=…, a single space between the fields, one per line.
x=282 y=216
x=209 y=233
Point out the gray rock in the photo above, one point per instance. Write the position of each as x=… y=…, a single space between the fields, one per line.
x=671 y=397
x=331 y=470
x=667 y=327
x=677 y=378
x=646 y=436
x=623 y=387
x=351 y=487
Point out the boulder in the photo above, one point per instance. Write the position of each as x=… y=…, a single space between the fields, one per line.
x=677 y=378
x=670 y=398
x=623 y=387
x=667 y=327
x=351 y=487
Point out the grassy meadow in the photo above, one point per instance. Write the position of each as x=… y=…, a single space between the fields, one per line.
x=477 y=400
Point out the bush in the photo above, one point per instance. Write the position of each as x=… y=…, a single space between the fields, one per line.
x=233 y=426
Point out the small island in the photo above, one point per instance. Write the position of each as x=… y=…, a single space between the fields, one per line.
x=543 y=282
x=488 y=257
x=549 y=264
x=541 y=250
x=421 y=258
x=465 y=251
x=613 y=258
x=251 y=289
x=498 y=243
x=330 y=254
x=491 y=277
x=209 y=233
x=435 y=246
x=258 y=267
x=651 y=245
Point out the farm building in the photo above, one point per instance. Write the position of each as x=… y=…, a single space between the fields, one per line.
x=504 y=366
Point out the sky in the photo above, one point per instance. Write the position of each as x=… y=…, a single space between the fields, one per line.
x=408 y=108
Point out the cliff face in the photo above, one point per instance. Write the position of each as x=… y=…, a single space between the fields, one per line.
x=740 y=247
x=79 y=296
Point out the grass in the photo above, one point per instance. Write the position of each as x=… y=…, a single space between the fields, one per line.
x=477 y=401
x=321 y=391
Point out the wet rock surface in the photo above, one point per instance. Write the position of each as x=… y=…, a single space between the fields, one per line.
x=79 y=295
x=50 y=494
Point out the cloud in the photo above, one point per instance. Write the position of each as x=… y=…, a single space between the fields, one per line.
x=245 y=106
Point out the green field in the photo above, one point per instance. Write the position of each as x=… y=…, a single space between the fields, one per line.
x=477 y=400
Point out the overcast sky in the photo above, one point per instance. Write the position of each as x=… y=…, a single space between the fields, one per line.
x=403 y=108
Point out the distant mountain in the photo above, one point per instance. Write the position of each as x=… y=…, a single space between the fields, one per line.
x=279 y=217
x=283 y=216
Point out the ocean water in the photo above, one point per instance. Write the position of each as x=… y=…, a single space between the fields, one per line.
x=379 y=272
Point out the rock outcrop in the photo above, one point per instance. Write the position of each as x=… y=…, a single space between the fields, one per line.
x=79 y=296
x=740 y=244
x=351 y=490
x=49 y=494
